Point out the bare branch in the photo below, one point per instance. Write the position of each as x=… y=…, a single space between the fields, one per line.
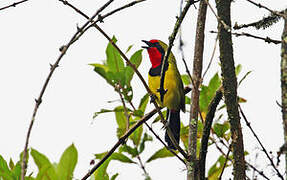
x=229 y=85
x=260 y=143
x=13 y=5
x=211 y=58
x=225 y=162
x=247 y=163
x=267 y=39
x=270 y=10
x=192 y=165
x=174 y=153
x=226 y=27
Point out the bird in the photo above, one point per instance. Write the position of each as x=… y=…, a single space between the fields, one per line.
x=174 y=98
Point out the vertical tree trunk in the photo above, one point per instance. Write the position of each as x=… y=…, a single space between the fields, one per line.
x=230 y=88
x=284 y=84
x=196 y=76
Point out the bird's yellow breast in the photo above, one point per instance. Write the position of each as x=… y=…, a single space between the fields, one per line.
x=173 y=85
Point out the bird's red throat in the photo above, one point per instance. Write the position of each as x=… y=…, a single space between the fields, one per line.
x=154 y=56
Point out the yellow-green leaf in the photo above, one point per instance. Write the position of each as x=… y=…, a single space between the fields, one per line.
x=162 y=153
x=67 y=163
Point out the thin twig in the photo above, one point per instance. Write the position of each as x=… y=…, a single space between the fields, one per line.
x=270 y=10
x=120 y=141
x=225 y=162
x=142 y=165
x=247 y=163
x=13 y=5
x=165 y=145
x=261 y=145
x=267 y=39
x=211 y=58
x=225 y=26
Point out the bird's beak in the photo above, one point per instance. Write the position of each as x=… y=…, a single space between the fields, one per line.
x=147 y=43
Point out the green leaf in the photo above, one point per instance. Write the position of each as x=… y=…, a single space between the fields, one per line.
x=129 y=48
x=67 y=163
x=114 y=176
x=213 y=85
x=121 y=157
x=126 y=148
x=185 y=79
x=136 y=135
x=135 y=59
x=11 y=164
x=4 y=170
x=17 y=170
x=101 y=172
x=102 y=111
x=145 y=138
x=115 y=156
x=216 y=168
x=114 y=61
x=46 y=169
x=238 y=69
x=203 y=99
x=208 y=92
x=143 y=103
x=187 y=100
x=121 y=121
x=102 y=70
x=220 y=129
x=162 y=153
x=138 y=113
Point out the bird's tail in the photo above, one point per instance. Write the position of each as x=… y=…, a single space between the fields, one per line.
x=173 y=120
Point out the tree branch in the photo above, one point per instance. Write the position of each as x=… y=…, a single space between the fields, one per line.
x=225 y=162
x=264 y=7
x=284 y=84
x=229 y=84
x=267 y=39
x=263 y=23
x=13 y=5
x=52 y=69
x=206 y=131
x=261 y=145
x=211 y=58
x=192 y=166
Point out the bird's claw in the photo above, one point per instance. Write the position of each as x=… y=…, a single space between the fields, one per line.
x=153 y=98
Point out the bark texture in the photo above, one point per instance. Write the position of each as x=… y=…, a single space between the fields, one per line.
x=284 y=84
x=229 y=83
x=196 y=76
